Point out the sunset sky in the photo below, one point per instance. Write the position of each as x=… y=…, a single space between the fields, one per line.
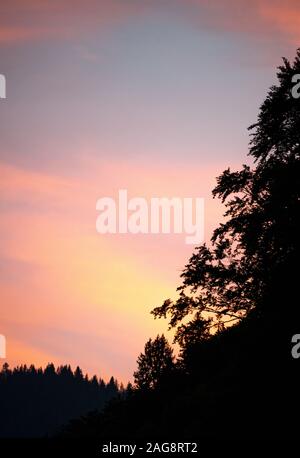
x=152 y=96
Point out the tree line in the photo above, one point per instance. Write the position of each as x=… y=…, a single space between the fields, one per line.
x=36 y=402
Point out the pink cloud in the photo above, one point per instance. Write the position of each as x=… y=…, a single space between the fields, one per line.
x=258 y=18
x=65 y=19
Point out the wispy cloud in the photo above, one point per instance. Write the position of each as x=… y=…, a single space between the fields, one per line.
x=255 y=20
x=67 y=19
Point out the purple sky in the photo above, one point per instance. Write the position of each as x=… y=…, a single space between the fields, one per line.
x=151 y=96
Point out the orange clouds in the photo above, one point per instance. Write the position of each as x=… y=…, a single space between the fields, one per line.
x=11 y=34
x=271 y=20
x=16 y=181
x=284 y=16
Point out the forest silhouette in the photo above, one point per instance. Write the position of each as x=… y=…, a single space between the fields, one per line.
x=36 y=402
x=236 y=313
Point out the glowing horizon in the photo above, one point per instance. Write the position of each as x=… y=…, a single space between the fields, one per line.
x=146 y=96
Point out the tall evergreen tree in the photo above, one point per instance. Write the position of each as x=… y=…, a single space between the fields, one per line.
x=154 y=363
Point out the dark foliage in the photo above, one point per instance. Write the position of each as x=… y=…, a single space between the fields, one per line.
x=251 y=265
x=237 y=311
x=238 y=305
x=155 y=364
x=36 y=402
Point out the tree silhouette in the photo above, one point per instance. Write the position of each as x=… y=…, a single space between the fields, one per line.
x=154 y=363
x=235 y=316
x=249 y=269
x=35 y=402
x=237 y=308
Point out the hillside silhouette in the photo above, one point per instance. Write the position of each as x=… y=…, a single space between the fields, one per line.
x=237 y=308
x=234 y=319
x=37 y=403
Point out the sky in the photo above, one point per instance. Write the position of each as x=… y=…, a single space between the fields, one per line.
x=152 y=96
